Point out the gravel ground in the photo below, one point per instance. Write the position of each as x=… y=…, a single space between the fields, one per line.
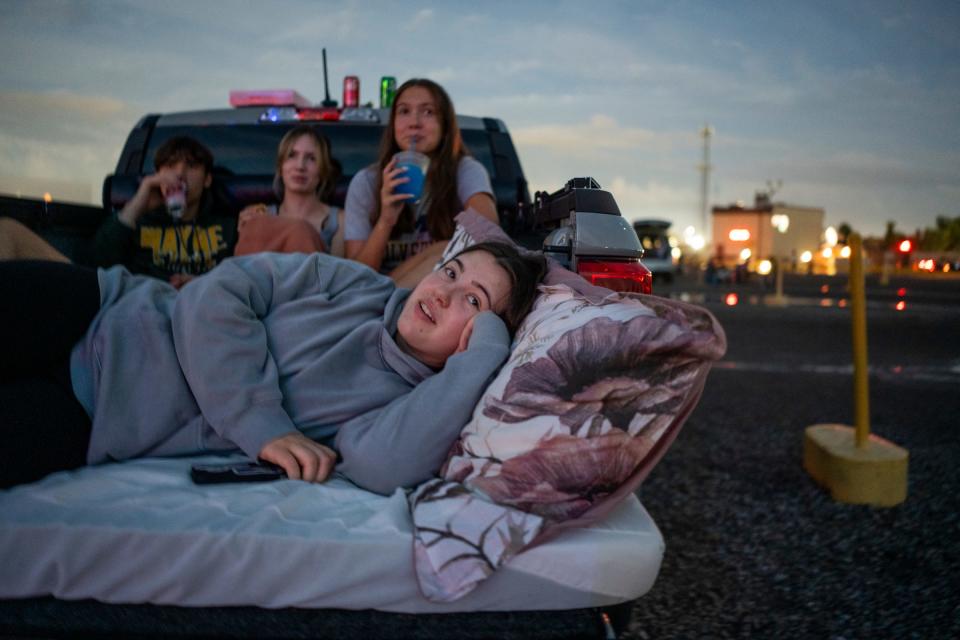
x=756 y=550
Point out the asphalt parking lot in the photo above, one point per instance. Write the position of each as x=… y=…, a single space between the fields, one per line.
x=754 y=548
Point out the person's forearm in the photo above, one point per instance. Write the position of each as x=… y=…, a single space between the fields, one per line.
x=375 y=246
x=222 y=343
x=18 y=242
x=150 y=195
x=483 y=204
x=217 y=321
x=134 y=209
x=411 y=271
x=407 y=442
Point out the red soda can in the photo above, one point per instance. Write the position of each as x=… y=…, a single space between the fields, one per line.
x=351 y=91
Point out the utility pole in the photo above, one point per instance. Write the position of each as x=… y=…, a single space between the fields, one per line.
x=704 y=170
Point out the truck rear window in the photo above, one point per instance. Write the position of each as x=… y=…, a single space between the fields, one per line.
x=251 y=149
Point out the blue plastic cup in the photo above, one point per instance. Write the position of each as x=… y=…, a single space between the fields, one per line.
x=415 y=165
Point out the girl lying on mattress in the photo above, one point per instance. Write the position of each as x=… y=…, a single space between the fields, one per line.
x=293 y=359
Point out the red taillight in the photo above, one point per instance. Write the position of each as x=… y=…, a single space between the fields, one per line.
x=318 y=113
x=629 y=277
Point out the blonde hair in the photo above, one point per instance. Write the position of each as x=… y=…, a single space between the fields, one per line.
x=328 y=169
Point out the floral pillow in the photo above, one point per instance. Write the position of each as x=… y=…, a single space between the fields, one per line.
x=596 y=388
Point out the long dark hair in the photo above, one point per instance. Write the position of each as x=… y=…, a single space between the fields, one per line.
x=526 y=270
x=441 y=178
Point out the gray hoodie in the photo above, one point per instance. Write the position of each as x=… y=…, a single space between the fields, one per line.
x=264 y=345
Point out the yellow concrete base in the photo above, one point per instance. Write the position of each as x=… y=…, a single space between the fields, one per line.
x=875 y=474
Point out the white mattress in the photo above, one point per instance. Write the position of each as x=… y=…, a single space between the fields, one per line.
x=141 y=531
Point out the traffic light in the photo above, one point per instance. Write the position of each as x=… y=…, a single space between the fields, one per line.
x=905 y=246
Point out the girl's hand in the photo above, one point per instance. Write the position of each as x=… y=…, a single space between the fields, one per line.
x=465 y=335
x=391 y=204
x=300 y=457
x=249 y=213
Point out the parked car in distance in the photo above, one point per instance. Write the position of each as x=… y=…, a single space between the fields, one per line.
x=657 y=253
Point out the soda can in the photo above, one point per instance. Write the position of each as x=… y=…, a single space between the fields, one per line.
x=388 y=91
x=176 y=200
x=351 y=91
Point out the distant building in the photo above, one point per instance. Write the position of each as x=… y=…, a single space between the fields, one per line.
x=767 y=229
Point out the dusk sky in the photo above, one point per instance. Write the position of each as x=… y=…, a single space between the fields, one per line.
x=853 y=105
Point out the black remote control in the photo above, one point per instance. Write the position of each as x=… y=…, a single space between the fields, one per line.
x=236 y=472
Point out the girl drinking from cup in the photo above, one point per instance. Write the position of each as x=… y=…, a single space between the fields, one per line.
x=303 y=223
x=393 y=226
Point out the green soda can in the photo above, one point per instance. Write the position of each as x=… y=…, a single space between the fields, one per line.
x=388 y=91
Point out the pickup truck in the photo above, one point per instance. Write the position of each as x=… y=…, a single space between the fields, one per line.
x=579 y=224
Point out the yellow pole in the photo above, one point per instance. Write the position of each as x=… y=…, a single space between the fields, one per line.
x=779 y=266
x=858 y=314
x=856 y=467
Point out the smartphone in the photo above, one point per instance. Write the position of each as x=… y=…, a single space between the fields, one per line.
x=236 y=472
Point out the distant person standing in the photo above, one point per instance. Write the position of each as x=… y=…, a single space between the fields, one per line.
x=170 y=228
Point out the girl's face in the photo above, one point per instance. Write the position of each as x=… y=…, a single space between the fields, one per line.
x=300 y=170
x=437 y=312
x=417 y=118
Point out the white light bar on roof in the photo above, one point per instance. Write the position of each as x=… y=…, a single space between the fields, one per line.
x=268 y=98
x=363 y=114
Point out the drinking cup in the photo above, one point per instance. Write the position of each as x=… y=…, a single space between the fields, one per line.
x=415 y=165
x=176 y=200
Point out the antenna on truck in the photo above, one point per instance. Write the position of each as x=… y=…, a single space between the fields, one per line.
x=327 y=102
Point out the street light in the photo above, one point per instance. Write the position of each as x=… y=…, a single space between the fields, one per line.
x=781 y=222
x=831 y=237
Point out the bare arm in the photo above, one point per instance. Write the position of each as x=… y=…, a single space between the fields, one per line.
x=411 y=271
x=149 y=196
x=18 y=242
x=371 y=251
x=483 y=204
